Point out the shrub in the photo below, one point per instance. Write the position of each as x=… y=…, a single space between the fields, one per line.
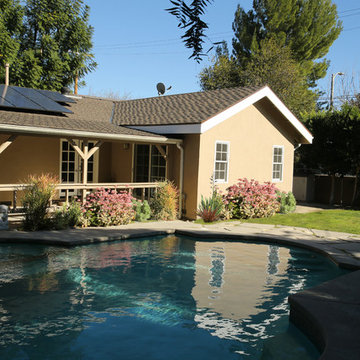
x=287 y=202
x=142 y=210
x=70 y=215
x=250 y=199
x=36 y=201
x=211 y=209
x=164 y=205
x=108 y=207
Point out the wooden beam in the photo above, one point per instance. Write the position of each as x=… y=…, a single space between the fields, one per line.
x=161 y=151
x=81 y=153
x=76 y=148
x=95 y=149
x=7 y=143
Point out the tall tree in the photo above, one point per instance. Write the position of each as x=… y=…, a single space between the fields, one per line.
x=278 y=42
x=11 y=14
x=55 y=44
x=270 y=64
x=307 y=27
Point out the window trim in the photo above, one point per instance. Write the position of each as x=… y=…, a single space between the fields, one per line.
x=220 y=181
x=282 y=164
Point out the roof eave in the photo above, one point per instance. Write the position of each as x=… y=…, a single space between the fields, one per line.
x=305 y=137
x=31 y=130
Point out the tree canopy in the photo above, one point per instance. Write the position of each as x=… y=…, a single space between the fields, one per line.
x=280 y=43
x=51 y=41
x=307 y=27
x=11 y=14
x=189 y=17
x=270 y=64
x=336 y=146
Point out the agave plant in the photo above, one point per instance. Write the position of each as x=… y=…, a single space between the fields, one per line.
x=210 y=209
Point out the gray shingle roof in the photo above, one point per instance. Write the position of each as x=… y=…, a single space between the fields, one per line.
x=91 y=108
x=84 y=120
x=94 y=114
x=191 y=108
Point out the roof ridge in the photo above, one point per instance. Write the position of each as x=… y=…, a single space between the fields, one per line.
x=254 y=87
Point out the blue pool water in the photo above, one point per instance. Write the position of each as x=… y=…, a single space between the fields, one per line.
x=160 y=298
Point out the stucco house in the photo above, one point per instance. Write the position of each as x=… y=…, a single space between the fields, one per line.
x=188 y=138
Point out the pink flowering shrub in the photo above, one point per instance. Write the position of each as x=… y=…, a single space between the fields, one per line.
x=108 y=207
x=250 y=199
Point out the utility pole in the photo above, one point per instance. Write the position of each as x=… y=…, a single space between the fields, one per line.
x=7 y=81
x=76 y=83
x=333 y=76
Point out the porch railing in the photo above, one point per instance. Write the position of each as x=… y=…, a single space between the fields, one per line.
x=14 y=188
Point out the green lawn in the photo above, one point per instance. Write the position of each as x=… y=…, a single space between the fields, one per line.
x=334 y=220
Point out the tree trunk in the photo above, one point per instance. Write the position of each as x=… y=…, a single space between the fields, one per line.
x=355 y=187
x=342 y=190
x=332 y=191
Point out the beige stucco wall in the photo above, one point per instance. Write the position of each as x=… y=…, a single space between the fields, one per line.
x=191 y=146
x=121 y=162
x=251 y=136
x=105 y=157
x=27 y=155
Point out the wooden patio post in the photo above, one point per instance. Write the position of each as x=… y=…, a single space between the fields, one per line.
x=85 y=155
x=85 y=167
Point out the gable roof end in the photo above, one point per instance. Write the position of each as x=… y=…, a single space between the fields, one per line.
x=252 y=99
x=196 y=113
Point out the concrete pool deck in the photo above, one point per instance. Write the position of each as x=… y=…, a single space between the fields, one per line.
x=329 y=313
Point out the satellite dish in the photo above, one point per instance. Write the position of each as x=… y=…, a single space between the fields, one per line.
x=160 y=87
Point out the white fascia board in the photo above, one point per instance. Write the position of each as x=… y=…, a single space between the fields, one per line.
x=243 y=104
x=29 y=130
x=228 y=113
x=298 y=125
x=231 y=111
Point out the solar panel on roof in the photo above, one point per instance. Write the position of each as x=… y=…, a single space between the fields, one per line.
x=43 y=101
x=17 y=100
x=15 y=97
x=56 y=96
x=5 y=103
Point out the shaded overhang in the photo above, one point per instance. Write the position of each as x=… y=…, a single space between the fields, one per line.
x=63 y=133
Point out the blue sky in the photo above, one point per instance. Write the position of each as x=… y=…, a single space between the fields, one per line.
x=137 y=44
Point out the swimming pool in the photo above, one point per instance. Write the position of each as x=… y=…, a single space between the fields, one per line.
x=158 y=298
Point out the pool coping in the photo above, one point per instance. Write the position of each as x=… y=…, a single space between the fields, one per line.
x=329 y=314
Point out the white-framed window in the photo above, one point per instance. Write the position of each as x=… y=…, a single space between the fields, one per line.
x=149 y=163
x=221 y=164
x=278 y=163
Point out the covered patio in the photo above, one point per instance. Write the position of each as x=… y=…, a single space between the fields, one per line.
x=86 y=157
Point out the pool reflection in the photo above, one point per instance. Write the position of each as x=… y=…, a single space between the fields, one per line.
x=224 y=297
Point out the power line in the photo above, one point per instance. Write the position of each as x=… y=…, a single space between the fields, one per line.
x=176 y=41
x=345 y=11
x=353 y=28
x=348 y=15
x=155 y=42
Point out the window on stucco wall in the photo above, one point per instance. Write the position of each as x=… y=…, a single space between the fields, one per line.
x=221 y=166
x=278 y=163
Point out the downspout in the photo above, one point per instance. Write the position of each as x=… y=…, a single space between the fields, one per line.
x=181 y=185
